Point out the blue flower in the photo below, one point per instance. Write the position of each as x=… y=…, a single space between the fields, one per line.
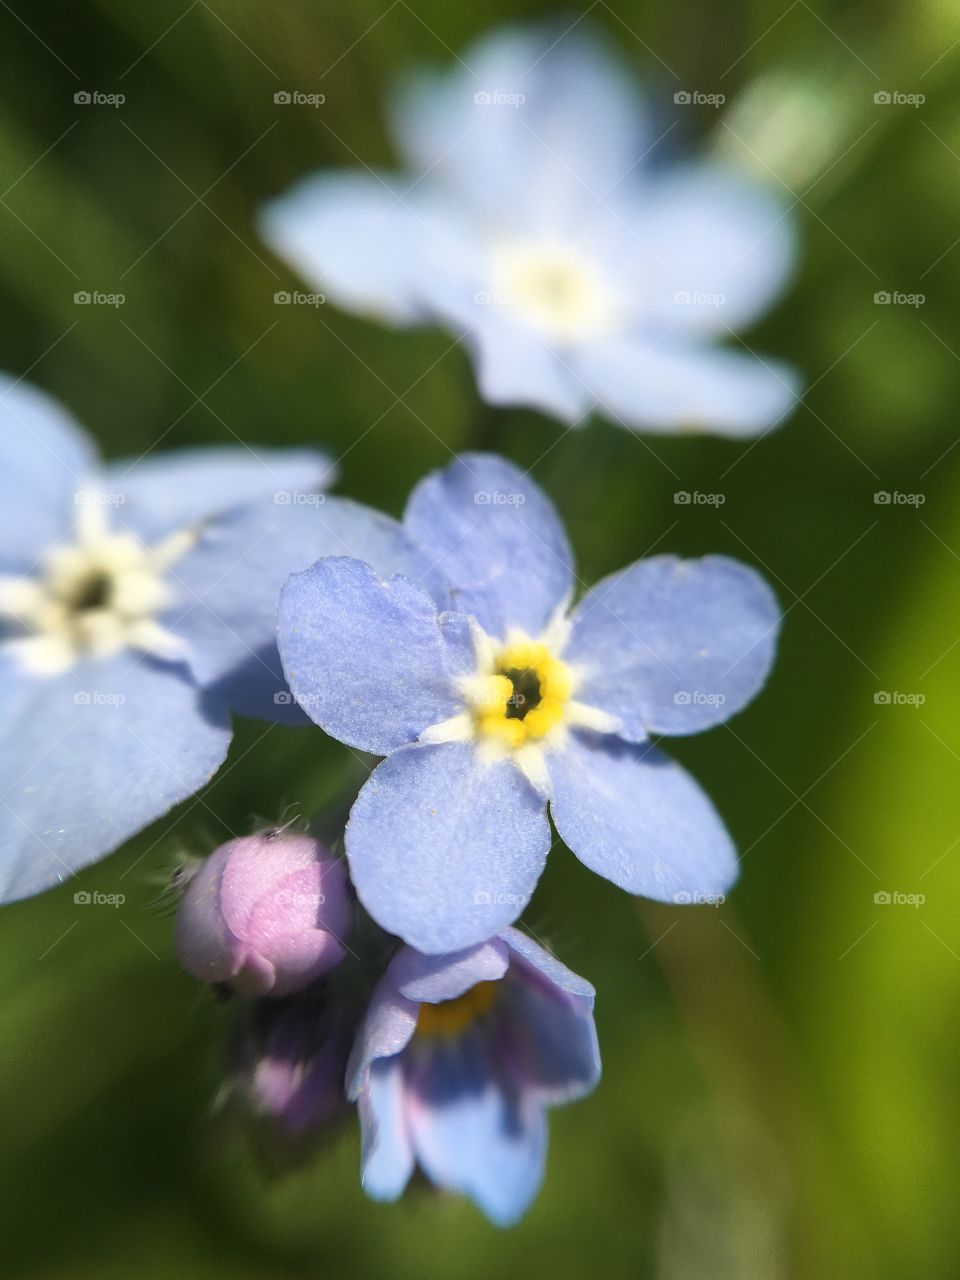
x=533 y=223
x=490 y=697
x=456 y=1062
x=137 y=603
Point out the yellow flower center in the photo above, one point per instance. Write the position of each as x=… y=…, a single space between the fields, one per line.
x=525 y=697
x=552 y=287
x=451 y=1017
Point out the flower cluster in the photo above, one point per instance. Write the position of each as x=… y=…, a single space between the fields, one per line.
x=145 y=602
x=452 y=1062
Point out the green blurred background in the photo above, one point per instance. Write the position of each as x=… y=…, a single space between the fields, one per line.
x=780 y=1091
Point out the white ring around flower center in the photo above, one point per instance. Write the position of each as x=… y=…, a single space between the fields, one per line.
x=92 y=597
x=489 y=717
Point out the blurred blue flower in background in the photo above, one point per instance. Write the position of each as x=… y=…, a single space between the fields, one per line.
x=136 y=607
x=490 y=697
x=456 y=1062
x=533 y=223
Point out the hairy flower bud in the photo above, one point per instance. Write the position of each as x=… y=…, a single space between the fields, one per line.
x=265 y=914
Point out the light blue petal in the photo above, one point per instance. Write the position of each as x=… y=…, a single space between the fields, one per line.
x=652 y=383
x=386 y=1029
x=471 y=1135
x=45 y=458
x=169 y=491
x=432 y=979
x=365 y=240
x=550 y=1043
x=228 y=590
x=497 y=539
x=364 y=657
x=515 y=365
x=674 y=646
x=445 y=850
x=714 y=249
x=94 y=755
x=532 y=127
x=386 y=1160
x=638 y=819
x=548 y=966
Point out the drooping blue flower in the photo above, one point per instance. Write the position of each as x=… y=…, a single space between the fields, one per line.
x=137 y=604
x=533 y=222
x=456 y=1062
x=490 y=697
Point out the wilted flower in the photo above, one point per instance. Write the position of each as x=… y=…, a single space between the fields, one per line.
x=265 y=914
x=490 y=697
x=137 y=603
x=456 y=1062
x=534 y=223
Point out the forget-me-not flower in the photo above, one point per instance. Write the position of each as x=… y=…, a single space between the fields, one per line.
x=456 y=1062
x=534 y=223
x=137 y=605
x=490 y=696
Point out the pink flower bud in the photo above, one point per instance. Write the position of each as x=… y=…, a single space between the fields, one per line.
x=266 y=914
